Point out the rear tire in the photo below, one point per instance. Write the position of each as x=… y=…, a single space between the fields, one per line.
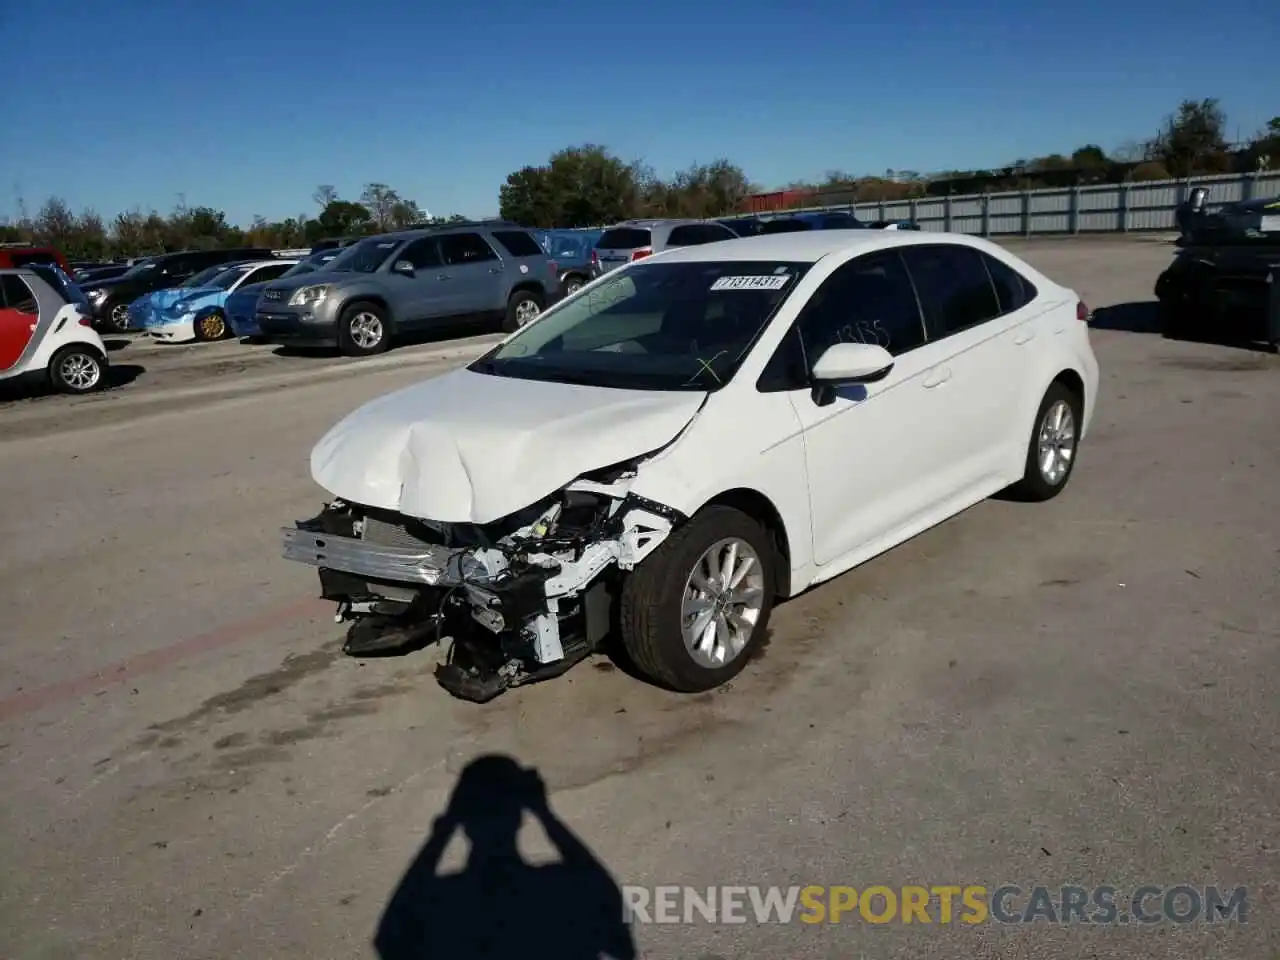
x=656 y=599
x=363 y=330
x=523 y=307
x=573 y=283
x=77 y=370
x=1056 y=432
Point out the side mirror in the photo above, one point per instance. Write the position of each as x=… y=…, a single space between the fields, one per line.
x=846 y=363
x=1198 y=197
x=403 y=267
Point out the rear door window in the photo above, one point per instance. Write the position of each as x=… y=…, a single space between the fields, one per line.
x=518 y=243
x=460 y=249
x=1013 y=290
x=954 y=288
x=625 y=238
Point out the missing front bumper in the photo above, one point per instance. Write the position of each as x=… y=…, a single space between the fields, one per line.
x=428 y=565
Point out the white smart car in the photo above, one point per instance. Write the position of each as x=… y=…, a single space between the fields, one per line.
x=46 y=331
x=691 y=438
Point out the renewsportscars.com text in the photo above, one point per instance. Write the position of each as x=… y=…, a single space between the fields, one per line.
x=940 y=904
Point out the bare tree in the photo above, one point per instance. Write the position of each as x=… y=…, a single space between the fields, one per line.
x=380 y=200
x=325 y=194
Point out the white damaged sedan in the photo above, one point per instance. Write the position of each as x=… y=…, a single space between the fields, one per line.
x=688 y=440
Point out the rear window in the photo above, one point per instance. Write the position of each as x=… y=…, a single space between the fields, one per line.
x=784 y=226
x=54 y=277
x=518 y=243
x=625 y=238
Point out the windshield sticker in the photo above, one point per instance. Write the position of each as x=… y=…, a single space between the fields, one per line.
x=751 y=283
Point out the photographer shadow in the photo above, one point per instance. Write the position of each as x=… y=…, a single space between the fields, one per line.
x=498 y=905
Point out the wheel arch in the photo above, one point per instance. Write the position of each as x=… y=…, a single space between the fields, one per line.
x=86 y=345
x=376 y=299
x=531 y=286
x=1071 y=379
x=760 y=508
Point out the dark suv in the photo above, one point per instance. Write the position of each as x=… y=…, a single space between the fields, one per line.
x=412 y=280
x=110 y=299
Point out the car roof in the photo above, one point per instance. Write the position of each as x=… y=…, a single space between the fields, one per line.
x=811 y=245
x=263 y=263
x=656 y=222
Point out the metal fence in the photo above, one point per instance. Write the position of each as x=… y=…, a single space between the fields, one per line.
x=1109 y=208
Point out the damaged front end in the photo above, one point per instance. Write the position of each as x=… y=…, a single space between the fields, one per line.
x=519 y=600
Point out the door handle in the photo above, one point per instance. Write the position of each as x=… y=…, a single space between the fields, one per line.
x=938 y=377
x=1024 y=336
x=442 y=276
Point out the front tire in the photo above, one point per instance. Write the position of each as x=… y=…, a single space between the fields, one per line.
x=211 y=326
x=77 y=370
x=115 y=317
x=694 y=612
x=523 y=307
x=1052 y=449
x=363 y=331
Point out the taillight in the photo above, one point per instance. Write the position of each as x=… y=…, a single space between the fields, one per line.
x=85 y=321
x=640 y=255
x=595 y=258
x=1082 y=311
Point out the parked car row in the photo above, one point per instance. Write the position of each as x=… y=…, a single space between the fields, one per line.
x=355 y=294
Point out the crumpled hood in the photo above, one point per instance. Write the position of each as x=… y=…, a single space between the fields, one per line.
x=471 y=448
x=193 y=297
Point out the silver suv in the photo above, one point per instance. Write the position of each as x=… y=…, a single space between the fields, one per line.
x=411 y=280
x=635 y=239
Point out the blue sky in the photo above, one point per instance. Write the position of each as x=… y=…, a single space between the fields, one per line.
x=248 y=106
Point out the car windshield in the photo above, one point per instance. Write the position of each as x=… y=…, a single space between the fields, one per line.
x=654 y=326
x=139 y=268
x=317 y=261
x=204 y=277
x=366 y=256
x=226 y=279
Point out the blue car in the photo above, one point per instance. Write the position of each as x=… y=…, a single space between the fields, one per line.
x=241 y=306
x=144 y=310
x=199 y=312
x=571 y=251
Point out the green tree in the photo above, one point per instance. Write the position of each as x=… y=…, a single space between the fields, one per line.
x=527 y=198
x=1192 y=140
x=342 y=218
x=1264 y=151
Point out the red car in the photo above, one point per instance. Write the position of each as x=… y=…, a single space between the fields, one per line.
x=14 y=255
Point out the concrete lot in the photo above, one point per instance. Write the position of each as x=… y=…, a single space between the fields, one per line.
x=1083 y=692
